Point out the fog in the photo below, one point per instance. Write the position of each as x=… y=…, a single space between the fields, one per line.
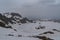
x=32 y=8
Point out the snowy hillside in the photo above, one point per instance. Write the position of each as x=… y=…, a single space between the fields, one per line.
x=18 y=29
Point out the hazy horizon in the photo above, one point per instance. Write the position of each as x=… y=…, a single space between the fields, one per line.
x=32 y=8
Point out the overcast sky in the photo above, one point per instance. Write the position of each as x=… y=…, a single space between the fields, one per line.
x=32 y=8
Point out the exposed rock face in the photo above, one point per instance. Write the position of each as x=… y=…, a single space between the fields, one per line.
x=2 y=24
x=48 y=32
x=42 y=37
x=12 y=18
x=56 y=30
x=40 y=27
x=10 y=35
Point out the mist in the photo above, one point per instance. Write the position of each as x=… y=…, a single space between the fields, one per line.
x=32 y=8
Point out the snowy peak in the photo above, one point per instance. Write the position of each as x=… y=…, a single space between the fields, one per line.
x=12 y=18
x=12 y=14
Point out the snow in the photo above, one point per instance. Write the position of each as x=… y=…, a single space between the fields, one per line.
x=28 y=29
x=7 y=15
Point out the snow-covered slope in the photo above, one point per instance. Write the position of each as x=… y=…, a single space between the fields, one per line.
x=31 y=31
x=39 y=30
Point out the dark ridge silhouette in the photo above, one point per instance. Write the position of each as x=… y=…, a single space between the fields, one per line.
x=15 y=14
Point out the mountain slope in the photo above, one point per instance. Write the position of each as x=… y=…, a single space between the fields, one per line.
x=39 y=30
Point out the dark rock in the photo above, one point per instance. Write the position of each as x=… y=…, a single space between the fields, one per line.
x=23 y=21
x=15 y=30
x=50 y=39
x=42 y=37
x=34 y=22
x=56 y=30
x=8 y=27
x=2 y=24
x=40 y=27
x=19 y=24
x=15 y=14
x=47 y=32
x=10 y=35
x=19 y=35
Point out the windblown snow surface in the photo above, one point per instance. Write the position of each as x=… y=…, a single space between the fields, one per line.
x=30 y=31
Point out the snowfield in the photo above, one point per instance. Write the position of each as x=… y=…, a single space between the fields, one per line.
x=30 y=31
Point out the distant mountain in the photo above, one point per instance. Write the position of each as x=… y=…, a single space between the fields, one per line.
x=12 y=18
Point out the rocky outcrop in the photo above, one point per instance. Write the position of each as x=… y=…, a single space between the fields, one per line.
x=12 y=18
x=42 y=37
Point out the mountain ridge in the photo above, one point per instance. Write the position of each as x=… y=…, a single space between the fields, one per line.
x=12 y=18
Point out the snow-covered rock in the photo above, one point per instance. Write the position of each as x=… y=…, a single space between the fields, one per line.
x=12 y=18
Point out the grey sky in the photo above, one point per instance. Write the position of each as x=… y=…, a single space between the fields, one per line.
x=32 y=8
